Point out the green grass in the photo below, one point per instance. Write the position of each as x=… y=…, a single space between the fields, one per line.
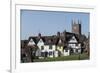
x=64 y=58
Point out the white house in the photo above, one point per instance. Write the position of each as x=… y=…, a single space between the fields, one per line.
x=74 y=45
x=50 y=48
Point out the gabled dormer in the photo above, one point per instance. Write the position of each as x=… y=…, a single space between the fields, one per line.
x=40 y=42
x=31 y=42
x=73 y=39
x=60 y=41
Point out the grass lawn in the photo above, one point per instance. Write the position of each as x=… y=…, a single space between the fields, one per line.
x=64 y=58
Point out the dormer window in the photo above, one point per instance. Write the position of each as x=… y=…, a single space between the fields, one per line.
x=42 y=47
x=73 y=38
x=31 y=40
x=40 y=40
x=50 y=46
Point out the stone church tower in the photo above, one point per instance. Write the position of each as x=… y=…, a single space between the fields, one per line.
x=76 y=27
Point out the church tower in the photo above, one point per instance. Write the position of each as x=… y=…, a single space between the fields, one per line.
x=76 y=27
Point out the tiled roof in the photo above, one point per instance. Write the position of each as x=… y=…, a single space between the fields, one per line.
x=50 y=40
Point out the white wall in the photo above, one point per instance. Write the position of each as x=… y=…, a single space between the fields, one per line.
x=66 y=53
x=39 y=44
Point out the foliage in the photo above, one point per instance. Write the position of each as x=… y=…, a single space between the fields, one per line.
x=65 y=58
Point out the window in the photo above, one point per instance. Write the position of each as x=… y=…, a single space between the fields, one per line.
x=42 y=54
x=31 y=40
x=42 y=47
x=77 y=44
x=50 y=46
x=76 y=50
x=66 y=50
x=40 y=40
x=50 y=53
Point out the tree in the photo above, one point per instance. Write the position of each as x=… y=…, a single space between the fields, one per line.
x=33 y=50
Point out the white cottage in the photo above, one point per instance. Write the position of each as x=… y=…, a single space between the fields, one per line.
x=74 y=45
x=62 y=48
x=47 y=47
x=50 y=49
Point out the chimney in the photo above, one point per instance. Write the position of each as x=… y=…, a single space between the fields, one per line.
x=58 y=34
x=39 y=35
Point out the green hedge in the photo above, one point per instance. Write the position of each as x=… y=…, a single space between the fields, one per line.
x=64 y=58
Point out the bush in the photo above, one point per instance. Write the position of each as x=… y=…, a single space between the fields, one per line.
x=64 y=58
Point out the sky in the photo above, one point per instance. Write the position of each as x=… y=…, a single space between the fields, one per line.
x=50 y=22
